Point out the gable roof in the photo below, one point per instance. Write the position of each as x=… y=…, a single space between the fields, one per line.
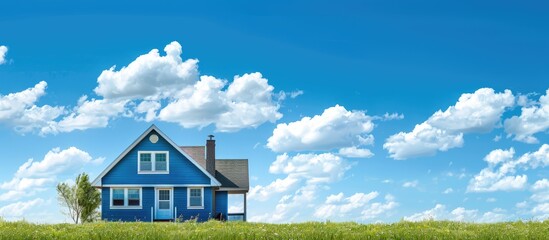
x=233 y=174
x=198 y=153
x=97 y=181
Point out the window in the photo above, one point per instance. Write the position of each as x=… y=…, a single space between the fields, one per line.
x=164 y=199
x=145 y=161
x=133 y=197
x=160 y=163
x=118 y=197
x=195 y=198
x=153 y=162
x=125 y=197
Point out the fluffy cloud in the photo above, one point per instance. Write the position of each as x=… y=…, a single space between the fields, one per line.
x=533 y=119
x=439 y=212
x=502 y=167
x=339 y=207
x=88 y=114
x=539 y=199
x=152 y=87
x=474 y=112
x=190 y=100
x=19 y=110
x=3 y=52
x=334 y=128
x=308 y=173
x=35 y=176
x=149 y=76
x=311 y=169
x=247 y=102
x=424 y=140
x=354 y=152
x=18 y=210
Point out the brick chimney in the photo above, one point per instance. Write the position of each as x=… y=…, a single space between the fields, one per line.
x=210 y=155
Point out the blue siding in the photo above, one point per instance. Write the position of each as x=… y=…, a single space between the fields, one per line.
x=182 y=171
x=222 y=203
x=143 y=214
x=180 y=197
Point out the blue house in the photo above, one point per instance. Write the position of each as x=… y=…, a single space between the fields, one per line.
x=155 y=179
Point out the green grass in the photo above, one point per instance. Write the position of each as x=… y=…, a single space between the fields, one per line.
x=241 y=230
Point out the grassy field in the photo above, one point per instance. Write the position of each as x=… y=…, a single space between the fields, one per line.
x=240 y=230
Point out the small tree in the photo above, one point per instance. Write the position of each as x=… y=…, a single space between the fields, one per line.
x=80 y=199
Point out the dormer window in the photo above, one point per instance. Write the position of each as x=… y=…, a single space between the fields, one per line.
x=153 y=162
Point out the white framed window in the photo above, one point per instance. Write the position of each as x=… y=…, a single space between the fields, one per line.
x=153 y=162
x=126 y=198
x=195 y=198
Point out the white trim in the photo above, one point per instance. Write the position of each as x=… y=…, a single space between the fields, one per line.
x=156 y=199
x=153 y=162
x=97 y=182
x=189 y=198
x=126 y=206
x=155 y=185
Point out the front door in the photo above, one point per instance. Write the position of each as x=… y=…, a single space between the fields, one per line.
x=164 y=203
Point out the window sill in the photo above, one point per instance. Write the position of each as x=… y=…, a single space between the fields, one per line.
x=126 y=207
x=153 y=172
x=189 y=207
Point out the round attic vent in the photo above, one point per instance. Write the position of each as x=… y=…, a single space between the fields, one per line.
x=153 y=138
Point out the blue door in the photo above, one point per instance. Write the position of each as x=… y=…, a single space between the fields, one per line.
x=164 y=203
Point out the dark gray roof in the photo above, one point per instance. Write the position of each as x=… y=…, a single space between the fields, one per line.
x=233 y=174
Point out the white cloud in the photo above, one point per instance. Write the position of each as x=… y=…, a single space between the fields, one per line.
x=296 y=93
x=164 y=88
x=410 y=184
x=89 y=114
x=461 y=214
x=424 y=140
x=149 y=108
x=378 y=208
x=522 y=204
x=448 y=191
x=432 y=214
x=238 y=208
x=282 y=95
x=357 y=206
x=533 y=119
x=541 y=211
x=18 y=210
x=491 y=200
x=496 y=215
x=315 y=168
x=334 y=128
x=55 y=162
x=311 y=169
x=354 y=152
x=193 y=100
x=19 y=110
x=499 y=175
x=3 y=52
x=498 y=156
x=309 y=173
x=337 y=205
x=476 y=112
x=149 y=76
x=392 y=116
x=35 y=176
x=542 y=184
x=263 y=193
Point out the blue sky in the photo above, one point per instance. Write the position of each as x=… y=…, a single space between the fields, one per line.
x=356 y=111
